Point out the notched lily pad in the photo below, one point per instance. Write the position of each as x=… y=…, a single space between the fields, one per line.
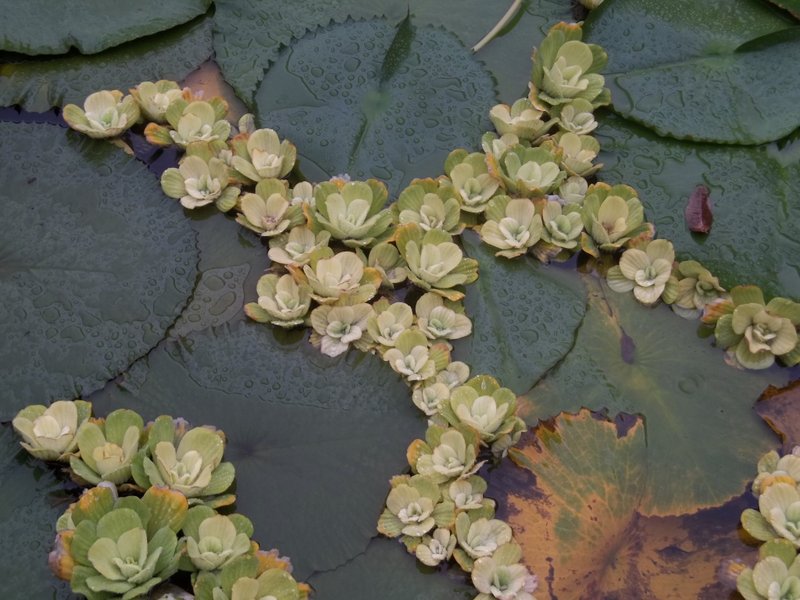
x=649 y=362
x=90 y=26
x=780 y=408
x=314 y=440
x=755 y=238
x=687 y=70
x=524 y=316
x=38 y=85
x=95 y=264
x=581 y=529
x=373 y=99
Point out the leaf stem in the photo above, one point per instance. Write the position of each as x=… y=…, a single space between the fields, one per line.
x=510 y=13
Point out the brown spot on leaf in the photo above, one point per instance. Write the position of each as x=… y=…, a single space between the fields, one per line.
x=780 y=408
x=698 y=211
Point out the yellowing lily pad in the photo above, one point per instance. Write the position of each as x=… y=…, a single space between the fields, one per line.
x=581 y=530
x=95 y=264
x=524 y=316
x=358 y=98
x=703 y=437
x=37 y=85
x=314 y=440
x=40 y=27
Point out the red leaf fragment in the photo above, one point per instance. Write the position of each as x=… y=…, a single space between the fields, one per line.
x=698 y=211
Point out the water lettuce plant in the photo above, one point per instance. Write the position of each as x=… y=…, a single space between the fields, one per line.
x=105 y=114
x=281 y=301
x=107 y=447
x=352 y=211
x=198 y=182
x=261 y=155
x=512 y=226
x=50 y=432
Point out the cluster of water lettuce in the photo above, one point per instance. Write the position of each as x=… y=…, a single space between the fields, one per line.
x=339 y=255
x=776 y=524
x=153 y=509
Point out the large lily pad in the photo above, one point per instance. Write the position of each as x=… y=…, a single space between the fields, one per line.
x=680 y=67
x=580 y=528
x=524 y=316
x=703 y=437
x=249 y=34
x=388 y=572
x=31 y=27
x=41 y=84
x=357 y=98
x=314 y=440
x=754 y=238
x=95 y=264
x=31 y=499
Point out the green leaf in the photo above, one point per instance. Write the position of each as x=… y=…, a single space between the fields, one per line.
x=580 y=522
x=370 y=110
x=314 y=440
x=40 y=84
x=95 y=263
x=636 y=360
x=31 y=500
x=677 y=67
x=249 y=34
x=90 y=26
x=388 y=572
x=793 y=6
x=524 y=316
x=754 y=238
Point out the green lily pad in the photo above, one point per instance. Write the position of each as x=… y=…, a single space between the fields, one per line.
x=31 y=500
x=793 y=6
x=38 y=85
x=314 y=440
x=524 y=316
x=388 y=572
x=90 y=26
x=703 y=436
x=249 y=34
x=368 y=108
x=580 y=527
x=95 y=264
x=754 y=237
x=686 y=69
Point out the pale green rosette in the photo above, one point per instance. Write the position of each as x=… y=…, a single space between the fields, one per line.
x=187 y=461
x=431 y=204
x=414 y=507
x=105 y=114
x=565 y=69
x=776 y=575
x=503 y=576
x=440 y=319
x=338 y=278
x=296 y=247
x=471 y=180
x=512 y=226
x=336 y=327
x=435 y=263
x=352 y=211
x=478 y=537
x=155 y=98
x=691 y=288
x=646 y=272
x=214 y=541
x=577 y=117
x=756 y=332
x=528 y=172
x=107 y=447
x=388 y=321
x=445 y=454
x=198 y=182
x=412 y=358
x=521 y=119
x=50 y=432
x=269 y=212
x=773 y=468
x=281 y=301
x=613 y=216
x=262 y=155
x=190 y=122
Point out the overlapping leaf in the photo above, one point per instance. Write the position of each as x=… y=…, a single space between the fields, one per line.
x=703 y=437
x=40 y=27
x=95 y=264
x=754 y=239
x=524 y=317
x=41 y=84
x=314 y=439
x=680 y=67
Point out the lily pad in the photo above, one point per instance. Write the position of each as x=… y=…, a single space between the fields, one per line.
x=31 y=499
x=90 y=26
x=41 y=84
x=314 y=439
x=524 y=316
x=95 y=264
x=357 y=98
x=249 y=34
x=686 y=69
x=793 y=6
x=580 y=528
x=703 y=437
x=755 y=238
x=388 y=572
